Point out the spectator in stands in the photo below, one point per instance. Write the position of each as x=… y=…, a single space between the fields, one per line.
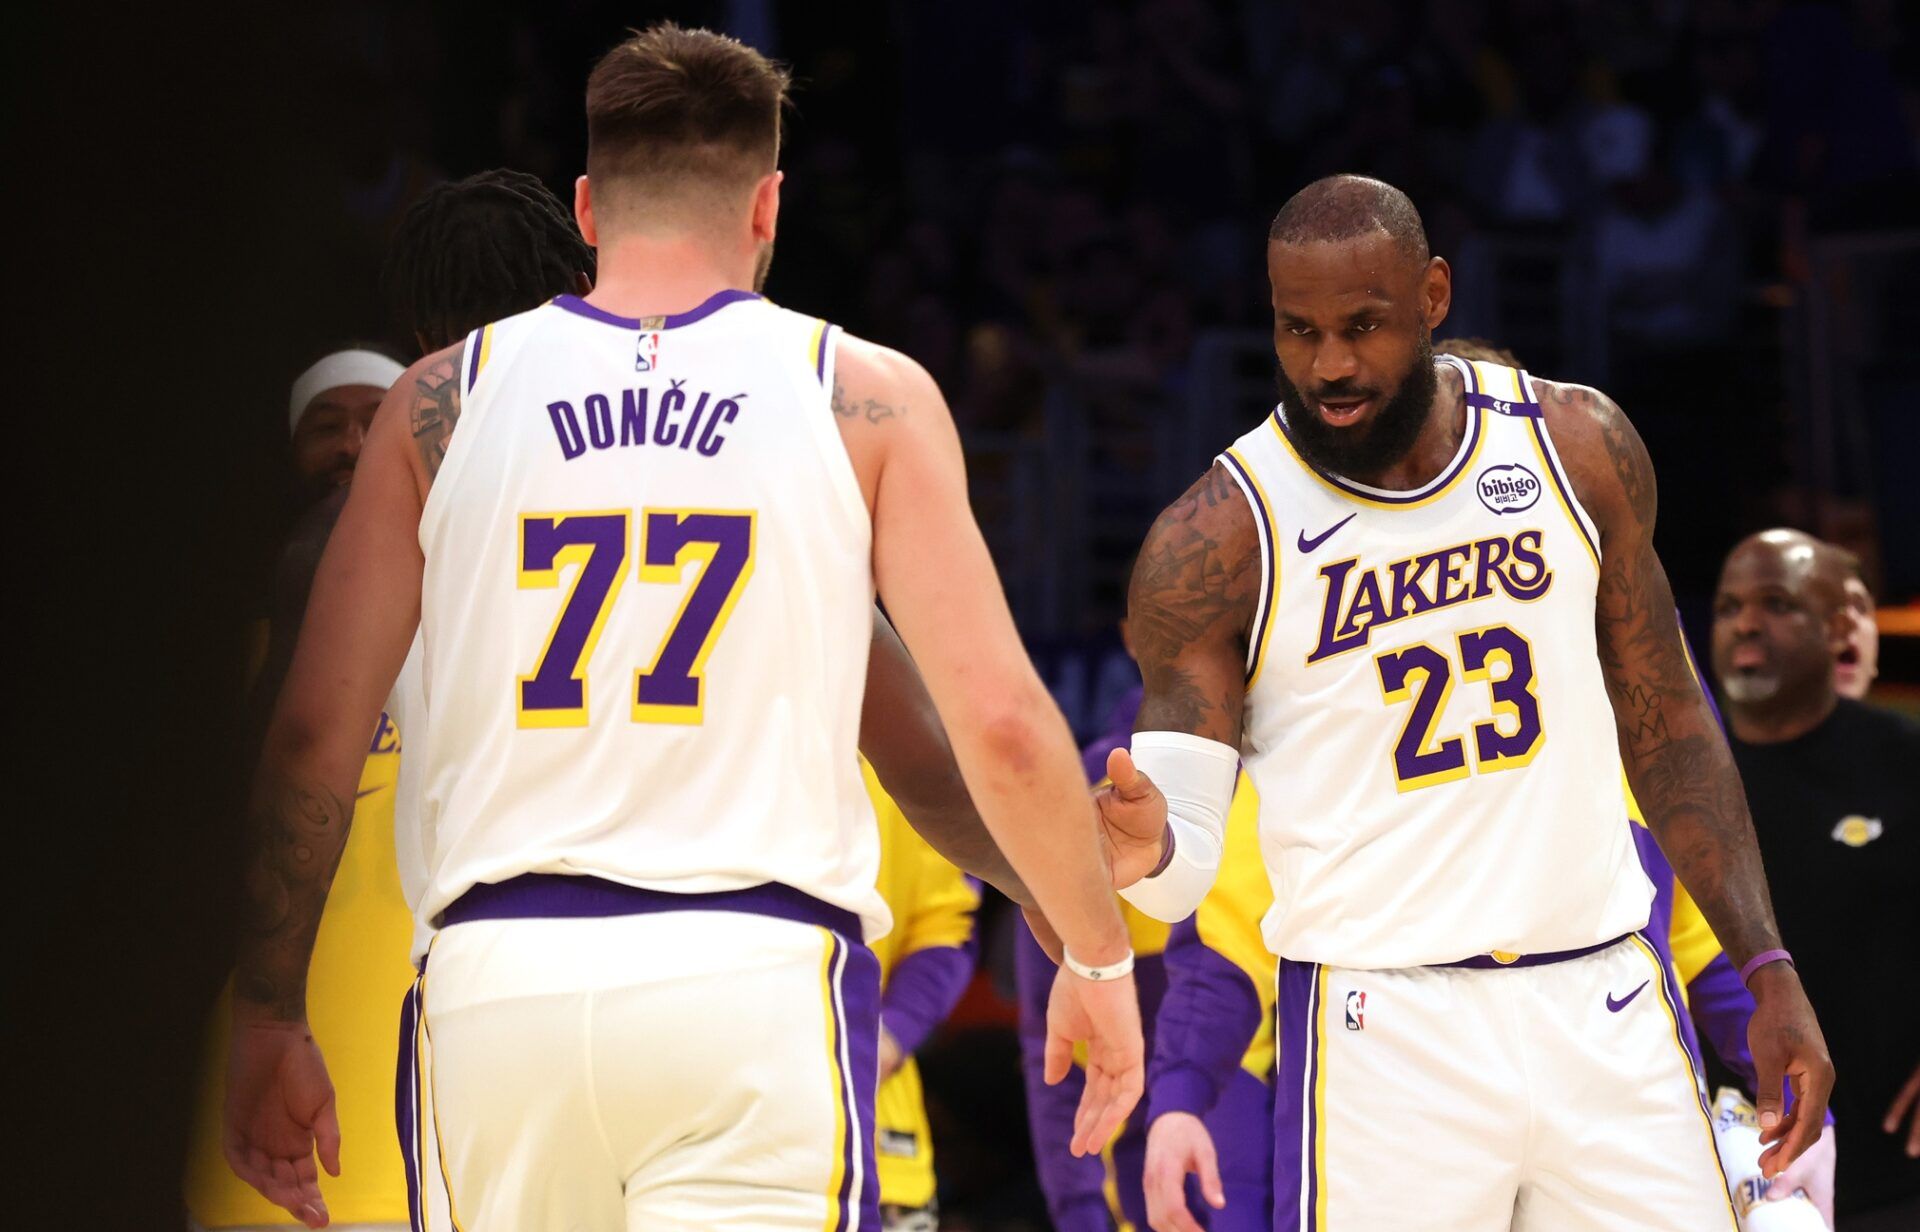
x=1835 y=791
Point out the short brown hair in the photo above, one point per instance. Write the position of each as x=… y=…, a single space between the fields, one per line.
x=673 y=108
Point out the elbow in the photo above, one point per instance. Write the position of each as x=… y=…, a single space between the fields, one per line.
x=1012 y=737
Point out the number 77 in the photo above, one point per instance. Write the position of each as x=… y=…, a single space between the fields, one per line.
x=672 y=688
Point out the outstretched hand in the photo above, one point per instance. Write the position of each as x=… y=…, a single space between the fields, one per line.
x=1133 y=820
x=1106 y=1015
x=279 y=1112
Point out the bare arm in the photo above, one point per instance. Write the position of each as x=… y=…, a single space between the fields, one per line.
x=1676 y=756
x=1190 y=609
x=292 y=583
x=1009 y=738
x=932 y=568
x=358 y=623
x=901 y=734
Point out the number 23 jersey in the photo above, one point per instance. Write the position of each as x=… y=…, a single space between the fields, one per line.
x=1426 y=721
x=646 y=610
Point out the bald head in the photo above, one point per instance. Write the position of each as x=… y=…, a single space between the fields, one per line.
x=1808 y=565
x=1345 y=207
x=1778 y=625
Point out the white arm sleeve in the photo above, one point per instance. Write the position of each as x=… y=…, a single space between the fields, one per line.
x=1196 y=775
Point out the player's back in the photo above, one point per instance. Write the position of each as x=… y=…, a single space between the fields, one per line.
x=645 y=610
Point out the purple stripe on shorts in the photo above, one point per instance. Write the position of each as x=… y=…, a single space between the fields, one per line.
x=712 y=304
x=1294 y=1183
x=405 y=1115
x=858 y=987
x=562 y=896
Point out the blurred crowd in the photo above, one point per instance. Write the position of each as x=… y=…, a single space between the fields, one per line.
x=1048 y=204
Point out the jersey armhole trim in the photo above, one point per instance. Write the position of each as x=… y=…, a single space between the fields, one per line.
x=1269 y=562
x=823 y=354
x=1563 y=490
x=476 y=354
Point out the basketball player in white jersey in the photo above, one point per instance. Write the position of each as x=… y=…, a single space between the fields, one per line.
x=1422 y=602
x=642 y=569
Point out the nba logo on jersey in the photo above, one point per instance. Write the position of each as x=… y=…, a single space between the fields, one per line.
x=1356 y=1010
x=647 y=354
x=1508 y=489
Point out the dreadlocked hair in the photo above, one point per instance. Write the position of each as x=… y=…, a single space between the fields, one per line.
x=480 y=249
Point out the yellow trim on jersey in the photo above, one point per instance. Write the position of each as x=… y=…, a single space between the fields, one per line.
x=486 y=353
x=813 y=347
x=838 y=1174
x=1659 y=982
x=1265 y=513
x=1537 y=440
x=1483 y=370
x=1424 y=747
x=1476 y=425
x=433 y=1104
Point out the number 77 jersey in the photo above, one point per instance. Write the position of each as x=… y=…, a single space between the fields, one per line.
x=1426 y=721
x=646 y=610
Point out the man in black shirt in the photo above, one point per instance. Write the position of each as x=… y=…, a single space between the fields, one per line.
x=1834 y=787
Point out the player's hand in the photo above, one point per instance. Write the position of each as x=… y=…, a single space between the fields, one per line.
x=1133 y=820
x=1106 y=1014
x=1178 y=1144
x=279 y=1112
x=1786 y=1043
x=1042 y=930
x=1906 y=1104
x=1813 y=1172
x=891 y=1057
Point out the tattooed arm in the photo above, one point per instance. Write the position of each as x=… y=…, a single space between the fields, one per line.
x=1189 y=613
x=1677 y=758
x=359 y=622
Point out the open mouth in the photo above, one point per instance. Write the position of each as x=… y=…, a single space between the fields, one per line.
x=1341 y=412
x=1747 y=657
x=1850 y=657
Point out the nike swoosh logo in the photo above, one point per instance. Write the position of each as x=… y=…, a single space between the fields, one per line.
x=1307 y=545
x=1621 y=1004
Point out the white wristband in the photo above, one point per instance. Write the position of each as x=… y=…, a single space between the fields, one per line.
x=1112 y=971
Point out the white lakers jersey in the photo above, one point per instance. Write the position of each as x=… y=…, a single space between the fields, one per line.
x=646 y=610
x=1426 y=721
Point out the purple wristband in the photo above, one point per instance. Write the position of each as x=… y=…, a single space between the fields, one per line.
x=1166 y=857
x=1762 y=959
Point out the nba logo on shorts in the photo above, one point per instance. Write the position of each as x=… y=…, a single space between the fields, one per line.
x=1356 y=1010
x=647 y=356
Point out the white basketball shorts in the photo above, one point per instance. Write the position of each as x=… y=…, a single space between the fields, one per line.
x=1553 y=1094
x=583 y=1055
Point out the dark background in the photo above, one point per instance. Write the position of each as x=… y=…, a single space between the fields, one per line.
x=1707 y=208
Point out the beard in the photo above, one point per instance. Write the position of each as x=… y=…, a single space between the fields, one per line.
x=1750 y=688
x=1370 y=448
x=761 y=265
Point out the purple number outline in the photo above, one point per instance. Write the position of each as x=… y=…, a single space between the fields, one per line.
x=1413 y=766
x=672 y=689
x=555 y=694
x=1493 y=749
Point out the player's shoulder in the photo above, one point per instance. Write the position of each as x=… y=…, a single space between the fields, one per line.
x=871 y=365
x=1604 y=457
x=1202 y=551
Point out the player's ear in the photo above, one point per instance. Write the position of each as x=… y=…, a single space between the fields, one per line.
x=1437 y=291
x=766 y=207
x=583 y=212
